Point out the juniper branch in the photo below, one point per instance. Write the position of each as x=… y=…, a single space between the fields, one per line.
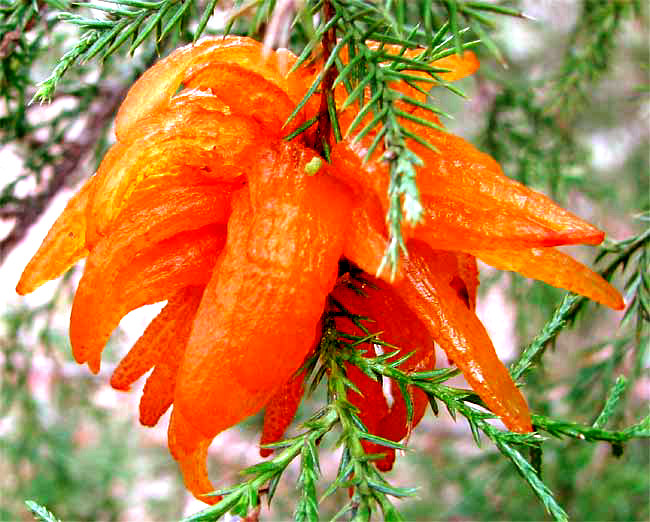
x=245 y=496
x=139 y=21
x=456 y=402
x=307 y=505
x=40 y=512
x=571 y=303
x=465 y=402
x=590 y=50
x=325 y=115
x=574 y=430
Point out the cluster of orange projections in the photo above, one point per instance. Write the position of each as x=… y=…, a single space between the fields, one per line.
x=204 y=204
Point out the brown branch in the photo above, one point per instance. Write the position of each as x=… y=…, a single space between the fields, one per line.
x=74 y=152
x=324 y=129
x=8 y=43
x=9 y=40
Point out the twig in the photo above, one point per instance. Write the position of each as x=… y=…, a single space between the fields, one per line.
x=324 y=122
x=8 y=42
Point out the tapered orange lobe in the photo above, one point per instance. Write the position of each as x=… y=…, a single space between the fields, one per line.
x=64 y=245
x=190 y=449
x=557 y=269
x=158 y=273
x=156 y=86
x=381 y=407
x=280 y=411
x=203 y=203
x=285 y=237
x=428 y=290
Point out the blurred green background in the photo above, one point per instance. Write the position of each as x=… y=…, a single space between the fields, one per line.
x=565 y=110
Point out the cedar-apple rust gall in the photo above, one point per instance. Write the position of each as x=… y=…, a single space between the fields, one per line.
x=202 y=203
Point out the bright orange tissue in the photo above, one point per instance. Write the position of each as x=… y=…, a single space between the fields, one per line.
x=281 y=256
x=383 y=411
x=251 y=239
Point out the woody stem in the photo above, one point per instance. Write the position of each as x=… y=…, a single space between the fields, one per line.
x=327 y=94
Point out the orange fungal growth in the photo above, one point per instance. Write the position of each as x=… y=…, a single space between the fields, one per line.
x=190 y=449
x=158 y=84
x=557 y=269
x=459 y=66
x=280 y=411
x=383 y=411
x=250 y=238
x=428 y=289
x=284 y=243
x=64 y=245
x=246 y=92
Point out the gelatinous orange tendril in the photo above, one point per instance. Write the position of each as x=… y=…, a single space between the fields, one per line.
x=201 y=203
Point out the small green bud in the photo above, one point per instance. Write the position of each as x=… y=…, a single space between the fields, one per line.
x=313 y=166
